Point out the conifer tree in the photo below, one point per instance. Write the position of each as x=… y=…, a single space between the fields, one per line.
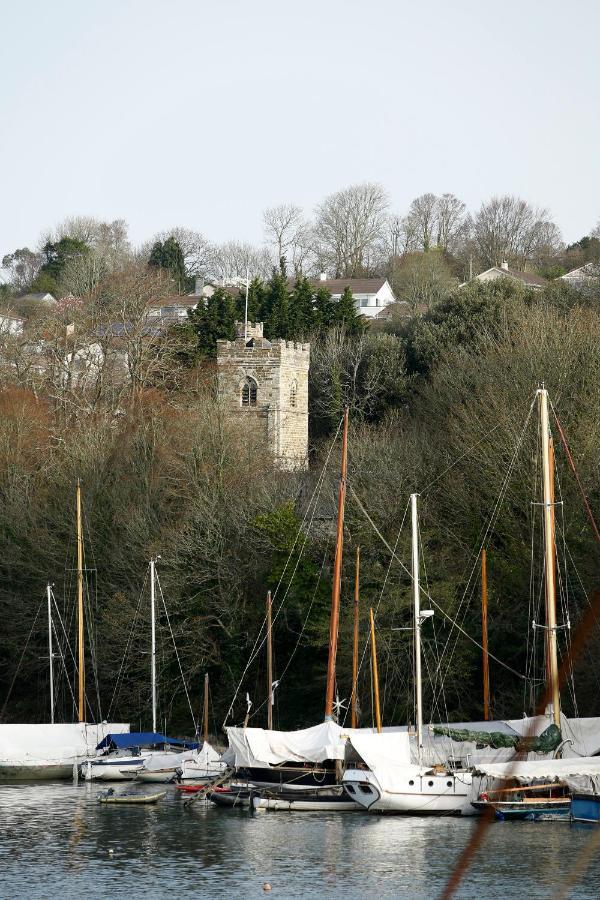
x=301 y=316
x=276 y=308
x=323 y=311
x=256 y=301
x=169 y=256
x=344 y=313
x=212 y=320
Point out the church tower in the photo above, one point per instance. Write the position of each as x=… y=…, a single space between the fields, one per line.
x=266 y=383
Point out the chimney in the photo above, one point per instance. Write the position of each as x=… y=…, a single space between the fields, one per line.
x=198 y=285
x=322 y=277
x=504 y=266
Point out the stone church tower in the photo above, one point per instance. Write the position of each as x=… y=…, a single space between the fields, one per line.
x=266 y=382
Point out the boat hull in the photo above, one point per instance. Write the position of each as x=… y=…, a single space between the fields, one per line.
x=297 y=803
x=49 y=772
x=585 y=808
x=532 y=811
x=421 y=795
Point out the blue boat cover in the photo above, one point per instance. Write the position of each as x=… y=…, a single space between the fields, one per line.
x=142 y=739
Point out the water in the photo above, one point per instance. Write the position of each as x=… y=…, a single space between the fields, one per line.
x=55 y=841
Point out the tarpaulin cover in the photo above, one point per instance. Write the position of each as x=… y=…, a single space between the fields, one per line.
x=258 y=748
x=528 y=771
x=142 y=739
x=546 y=742
x=31 y=745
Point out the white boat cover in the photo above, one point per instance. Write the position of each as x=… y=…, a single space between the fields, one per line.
x=258 y=748
x=529 y=771
x=202 y=757
x=24 y=746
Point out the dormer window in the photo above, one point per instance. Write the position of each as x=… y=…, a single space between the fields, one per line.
x=294 y=393
x=249 y=392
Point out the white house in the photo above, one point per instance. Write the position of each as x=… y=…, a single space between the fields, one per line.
x=370 y=295
x=10 y=324
x=535 y=282
x=585 y=276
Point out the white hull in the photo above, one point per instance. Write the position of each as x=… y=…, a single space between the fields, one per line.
x=320 y=804
x=413 y=793
x=193 y=772
x=161 y=776
x=113 y=771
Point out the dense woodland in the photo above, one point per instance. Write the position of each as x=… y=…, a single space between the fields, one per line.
x=438 y=404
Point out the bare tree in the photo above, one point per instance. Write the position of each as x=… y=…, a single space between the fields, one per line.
x=108 y=239
x=22 y=266
x=229 y=262
x=422 y=279
x=452 y=223
x=350 y=226
x=197 y=250
x=595 y=232
x=510 y=229
x=421 y=220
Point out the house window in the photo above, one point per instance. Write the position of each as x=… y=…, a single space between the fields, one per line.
x=249 y=391
x=364 y=301
x=294 y=393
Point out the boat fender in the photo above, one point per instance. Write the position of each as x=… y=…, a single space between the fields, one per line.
x=266 y=887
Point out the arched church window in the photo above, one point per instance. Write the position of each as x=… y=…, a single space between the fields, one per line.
x=294 y=393
x=249 y=392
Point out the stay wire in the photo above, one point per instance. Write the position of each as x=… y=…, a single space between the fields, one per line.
x=187 y=694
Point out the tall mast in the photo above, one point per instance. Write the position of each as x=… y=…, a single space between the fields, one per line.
x=375 y=673
x=80 y=632
x=206 y=709
x=417 y=622
x=354 y=703
x=549 y=556
x=50 y=653
x=337 y=577
x=153 y=646
x=269 y=663
x=484 y=637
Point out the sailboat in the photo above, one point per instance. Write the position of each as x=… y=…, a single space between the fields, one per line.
x=205 y=763
x=392 y=783
x=52 y=750
x=123 y=757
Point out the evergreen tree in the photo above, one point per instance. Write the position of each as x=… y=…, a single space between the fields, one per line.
x=323 y=311
x=57 y=256
x=212 y=320
x=256 y=301
x=169 y=256
x=344 y=313
x=301 y=316
x=276 y=308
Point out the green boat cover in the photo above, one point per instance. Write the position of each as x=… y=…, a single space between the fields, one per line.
x=545 y=742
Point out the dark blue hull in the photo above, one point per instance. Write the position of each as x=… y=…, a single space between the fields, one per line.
x=585 y=807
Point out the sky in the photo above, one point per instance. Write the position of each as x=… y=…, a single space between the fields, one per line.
x=202 y=114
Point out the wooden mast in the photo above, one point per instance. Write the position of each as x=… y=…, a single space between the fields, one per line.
x=50 y=650
x=484 y=637
x=153 y=642
x=337 y=577
x=80 y=631
x=205 y=738
x=375 y=673
x=549 y=557
x=354 y=701
x=269 y=662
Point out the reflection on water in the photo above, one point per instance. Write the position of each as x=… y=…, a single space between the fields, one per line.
x=55 y=839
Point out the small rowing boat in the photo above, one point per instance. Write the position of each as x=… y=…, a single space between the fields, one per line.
x=109 y=796
x=189 y=788
x=531 y=802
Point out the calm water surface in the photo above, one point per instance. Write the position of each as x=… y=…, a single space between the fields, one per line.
x=55 y=841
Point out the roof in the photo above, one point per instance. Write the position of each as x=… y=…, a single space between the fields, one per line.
x=40 y=295
x=589 y=270
x=356 y=285
x=142 y=739
x=5 y=314
x=526 y=277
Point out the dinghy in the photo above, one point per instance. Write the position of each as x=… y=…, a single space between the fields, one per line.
x=109 y=796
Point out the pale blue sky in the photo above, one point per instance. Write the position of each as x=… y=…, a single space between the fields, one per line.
x=202 y=114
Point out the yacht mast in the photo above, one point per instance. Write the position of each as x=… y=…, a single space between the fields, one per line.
x=417 y=622
x=206 y=709
x=375 y=674
x=337 y=578
x=549 y=556
x=269 y=662
x=354 y=702
x=153 y=648
x=50 y=653
x=80 y=631
x=484 y=637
